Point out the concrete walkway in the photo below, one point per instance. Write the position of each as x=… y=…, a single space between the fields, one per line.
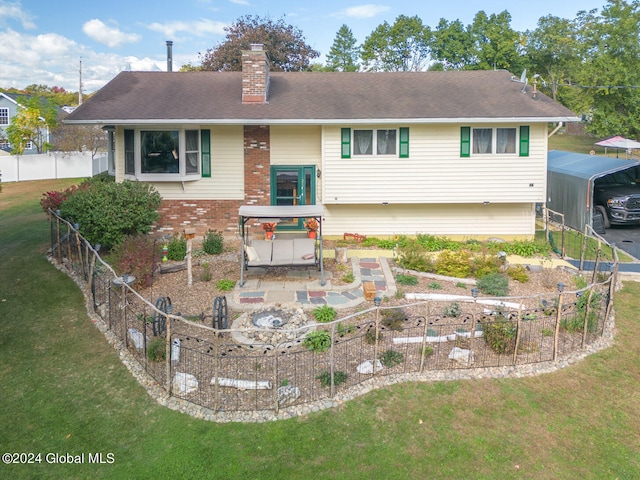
x=302 y=286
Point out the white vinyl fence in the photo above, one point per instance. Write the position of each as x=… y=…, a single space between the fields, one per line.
x=45 y=166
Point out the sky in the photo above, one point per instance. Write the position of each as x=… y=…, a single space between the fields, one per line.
x=55 y=43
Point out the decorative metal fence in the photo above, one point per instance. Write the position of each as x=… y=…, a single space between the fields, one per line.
x=267 y=369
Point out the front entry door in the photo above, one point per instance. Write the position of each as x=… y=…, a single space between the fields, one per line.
x=293 y=185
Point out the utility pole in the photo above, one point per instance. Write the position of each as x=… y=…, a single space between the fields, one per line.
x=80 y=85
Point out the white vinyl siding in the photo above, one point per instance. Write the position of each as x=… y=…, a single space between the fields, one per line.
x=298 y=145
x=459 y=221
x=435 y=173
x=227 y=168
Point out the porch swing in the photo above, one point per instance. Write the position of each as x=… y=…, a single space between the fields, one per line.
x=289 y=252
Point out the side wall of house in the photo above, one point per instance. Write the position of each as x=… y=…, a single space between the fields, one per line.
x=435 y=172
x=435 y=190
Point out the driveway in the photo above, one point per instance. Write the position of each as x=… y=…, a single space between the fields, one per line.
x=625 y=237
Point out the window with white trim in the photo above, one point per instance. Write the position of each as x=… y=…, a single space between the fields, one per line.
x=4 y=116
x=375 y=142
x=169 y=155
x=494 y=141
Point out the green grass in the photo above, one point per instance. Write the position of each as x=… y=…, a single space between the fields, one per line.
x=580 y=144
x=64 y=390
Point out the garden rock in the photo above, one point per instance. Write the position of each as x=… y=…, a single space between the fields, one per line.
x=366 y=367
x=184 y=383
x=460 y=355
x=287 y=394
x=137 y=339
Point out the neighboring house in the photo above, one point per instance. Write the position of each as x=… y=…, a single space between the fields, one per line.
x=10 y=105
x=459 y=154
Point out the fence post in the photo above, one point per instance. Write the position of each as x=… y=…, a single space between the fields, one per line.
x=375 y=345
x=275 y=379
x=332 y=359
x=423 y=354
x=585 y=328
x=168 y=354
x=557 y=334
x=518 y=325
x=583 y=248
x=58 y=252
x=80 y=259
x=597 y=262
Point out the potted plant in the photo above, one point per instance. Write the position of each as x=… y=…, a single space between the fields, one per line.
x=311 y=224
x=269 y=228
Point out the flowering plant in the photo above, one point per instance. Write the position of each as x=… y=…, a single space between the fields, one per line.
x=269 y=226
x=311 y=224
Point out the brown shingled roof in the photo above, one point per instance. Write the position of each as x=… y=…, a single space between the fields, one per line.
x=318 y=97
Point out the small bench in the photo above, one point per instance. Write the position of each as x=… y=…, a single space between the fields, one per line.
x=279 y=253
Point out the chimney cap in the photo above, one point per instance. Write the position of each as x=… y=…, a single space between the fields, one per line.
x=257 y=47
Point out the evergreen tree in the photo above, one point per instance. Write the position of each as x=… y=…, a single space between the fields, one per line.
x=344 y=53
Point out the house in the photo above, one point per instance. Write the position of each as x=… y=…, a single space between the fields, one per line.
x=10 y=105
x=457 y=153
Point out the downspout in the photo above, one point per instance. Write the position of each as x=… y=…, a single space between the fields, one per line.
x=555 y=130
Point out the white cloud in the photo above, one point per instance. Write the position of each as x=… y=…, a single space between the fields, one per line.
x=240 y=2
x=369 y=10
x=109 y=36
x=200 y=28
x=13 y=11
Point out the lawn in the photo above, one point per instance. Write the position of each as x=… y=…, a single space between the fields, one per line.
x=65 y=392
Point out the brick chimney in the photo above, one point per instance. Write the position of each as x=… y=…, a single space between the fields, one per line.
x=255 y=75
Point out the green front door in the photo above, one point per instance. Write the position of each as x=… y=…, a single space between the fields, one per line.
x=293 y=185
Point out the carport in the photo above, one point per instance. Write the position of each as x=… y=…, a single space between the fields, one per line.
x=570 y=182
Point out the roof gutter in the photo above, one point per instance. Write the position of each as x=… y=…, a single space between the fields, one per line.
x=317 y=121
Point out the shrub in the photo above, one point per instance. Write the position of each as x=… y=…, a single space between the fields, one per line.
x=435 y=286
x=454 y=263
x=391 y=358
x=453 y=310
x=213 y=242
x=53 y=200
x=348 y=277
x=518 y=273
x=426 y=351
x=324 y=314
x=108 y=211
x=338 y=378
x=494 y=284
x=156 y=349
x=406 y=279
x=177 y=248
x=414 y=257
x=318 y=341
x=206 y=275
x=135 y=256
x=483 y=265
x=500 y=335
x=392 y=318
x=370 y=336
x=225 y=285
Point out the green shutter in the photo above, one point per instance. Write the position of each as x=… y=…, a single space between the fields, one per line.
x=404 y=142
x=205 y=152
x=346 y=143
x=465 y=141
x=524 y=141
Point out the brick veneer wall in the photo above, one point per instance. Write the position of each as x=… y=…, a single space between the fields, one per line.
x=222 y=215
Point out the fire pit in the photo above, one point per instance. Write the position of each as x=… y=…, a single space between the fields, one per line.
x=270 y=326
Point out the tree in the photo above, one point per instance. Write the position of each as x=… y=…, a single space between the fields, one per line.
x=552 y=51
x=76 y=138
x=452 y=45
x=32 y=124
x=497 y=45
x=344 y=54
x=284 y=43
x=56 y=95
x=401 y=47
x=609 y=73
